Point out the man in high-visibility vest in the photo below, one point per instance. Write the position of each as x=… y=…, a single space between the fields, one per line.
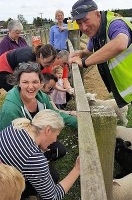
x=110 y=47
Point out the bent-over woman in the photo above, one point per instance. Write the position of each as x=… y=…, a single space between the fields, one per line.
x=22 y=146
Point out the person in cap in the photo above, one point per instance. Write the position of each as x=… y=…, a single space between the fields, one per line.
x=109 y=46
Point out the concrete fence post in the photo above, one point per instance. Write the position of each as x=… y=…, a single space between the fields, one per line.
x=105 y=122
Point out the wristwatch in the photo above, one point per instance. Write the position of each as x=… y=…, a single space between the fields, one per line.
x=83 y=63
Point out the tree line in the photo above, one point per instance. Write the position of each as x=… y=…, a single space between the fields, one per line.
x=124 y=12
x=38 y=22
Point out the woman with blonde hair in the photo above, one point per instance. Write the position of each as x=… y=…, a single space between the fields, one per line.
x=58 y=32
x=22 y=146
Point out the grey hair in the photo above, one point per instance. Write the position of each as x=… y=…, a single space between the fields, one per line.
x=63 y=54
x=42 y=119
x=14 y=25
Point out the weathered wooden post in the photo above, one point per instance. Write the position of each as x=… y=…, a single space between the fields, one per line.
x=74 y=37
x=105 y=122
x=44 y=35
x=74 y=34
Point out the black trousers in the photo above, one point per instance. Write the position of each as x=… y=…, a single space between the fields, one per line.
x=57 y=151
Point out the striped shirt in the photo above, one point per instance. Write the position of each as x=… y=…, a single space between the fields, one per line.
x=19 y=150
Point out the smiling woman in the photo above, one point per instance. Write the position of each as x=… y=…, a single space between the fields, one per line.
x=26 y=99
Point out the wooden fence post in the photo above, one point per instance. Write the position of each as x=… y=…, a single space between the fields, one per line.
x=74 y=39
x=105 y=122
x=44 y=35
x=74 y=36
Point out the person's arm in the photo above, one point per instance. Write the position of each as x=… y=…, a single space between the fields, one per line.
x=108 y=51
x=5 y=119
x=72 y=112
x=63 y=27
x=69 y=120
x=36 y=171
x=47 y=101
x=113 y=48
x=9 y=112
x=54 y=106
x=69 y=180
x=59 y=88
x=4 y=46
x=78 y=53
x=41 y=179
x=66 y=83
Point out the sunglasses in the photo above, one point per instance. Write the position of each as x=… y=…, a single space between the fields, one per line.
x=51 y=89
x=81 y=9
x=24 y=65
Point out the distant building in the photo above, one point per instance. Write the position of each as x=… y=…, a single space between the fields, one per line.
x=2 y=24
x=3 y=31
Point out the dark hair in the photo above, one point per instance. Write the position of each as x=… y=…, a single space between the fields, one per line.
x=65 y=19
x=45 y=50
x=13 y=79
x=47 y=77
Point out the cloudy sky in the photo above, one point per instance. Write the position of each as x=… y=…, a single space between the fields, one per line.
x=32 y=8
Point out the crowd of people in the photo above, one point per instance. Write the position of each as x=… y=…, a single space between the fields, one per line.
x=27 y=75
x=38 y=89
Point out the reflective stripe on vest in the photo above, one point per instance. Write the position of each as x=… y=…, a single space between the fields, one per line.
x=120 y=57
x=121 y=71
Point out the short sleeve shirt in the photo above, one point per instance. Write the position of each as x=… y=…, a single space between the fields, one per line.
x=116 y=27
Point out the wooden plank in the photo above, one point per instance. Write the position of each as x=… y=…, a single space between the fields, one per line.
x=81 y=100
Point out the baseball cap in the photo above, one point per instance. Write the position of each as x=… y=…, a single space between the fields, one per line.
x=81 y=8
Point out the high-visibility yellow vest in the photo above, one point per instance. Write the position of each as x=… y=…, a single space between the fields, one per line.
x=121 y=66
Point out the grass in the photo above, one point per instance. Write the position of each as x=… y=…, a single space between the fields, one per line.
x=69 y=138
x=129 y=116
